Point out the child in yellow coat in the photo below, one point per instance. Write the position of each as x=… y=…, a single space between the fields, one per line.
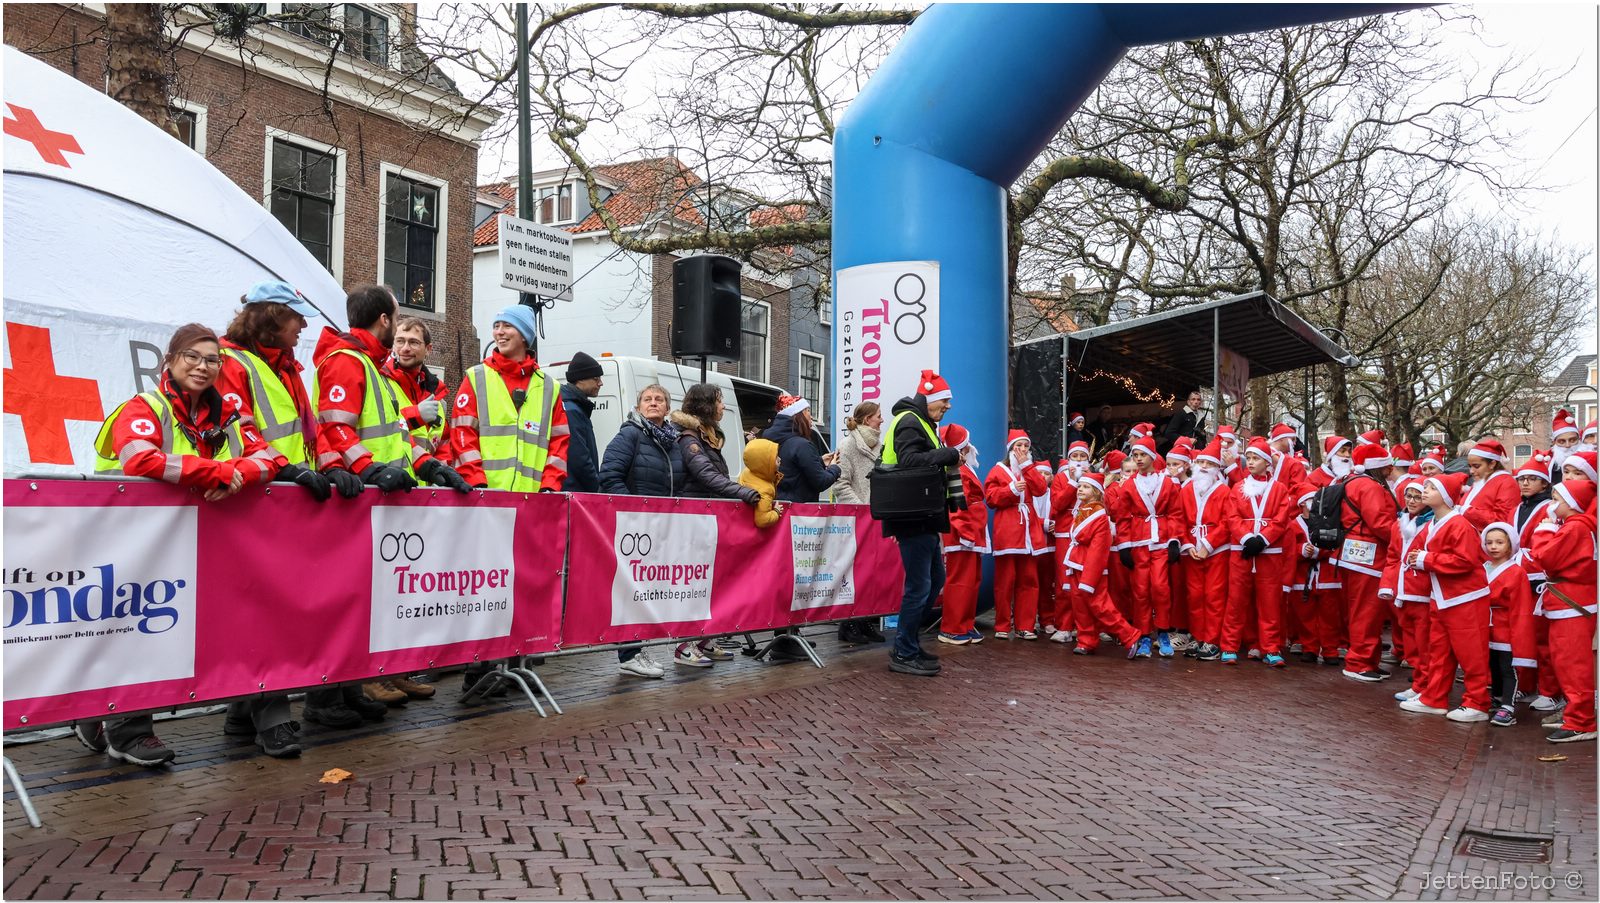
x=761 y=474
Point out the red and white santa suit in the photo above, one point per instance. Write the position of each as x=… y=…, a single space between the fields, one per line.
x=965 y=544
x=1513 y=638
x=1044 y=557
x=1288 y=468
x=1331 y=470
x=1368 y=520
x=1205 y=523
x=1017 y=533
x=1261 y=514
x=1496 y=497
x=1527 y=521
x=1149 y=521
x=1182 y=452
x=1408 y=589
x=1121 y=580
x=1566 y=554
x=1453 y=560
x=1063 y=501
x=1084 y=578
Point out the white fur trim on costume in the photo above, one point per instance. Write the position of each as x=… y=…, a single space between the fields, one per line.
x=794 y=408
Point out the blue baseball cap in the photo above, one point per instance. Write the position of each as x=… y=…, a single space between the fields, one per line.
x=281 y=293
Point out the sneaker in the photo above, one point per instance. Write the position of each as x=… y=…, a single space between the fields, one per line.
x=928 y=659
x=1384 y=673
x=412 y=688
x=337 y=715
x=148 y=751
x=1133 y=651
x=1049 y=630
x=1164 y=645
x=1370 y=677
x=954 y=639
x=1254 y=654
x=1542 y=703
x=1002 y=634
x=1566 y=736
x=1420 y=708
x=692 y=657
x=1082 y=650
x=716 y=653
x=1182 y=641
x=1503 y=717
x=1209 y=652
x=92 y=734
x=1406 y=694
x=1275 y=660
x=1388 y=657
x=1144 y=647
x=1027 y=635
x=1295 y=647
x=913 y=666
x=1061 y=636
x=1230 y=658
x=381 y=691
x=1553 y=721
x=1333 y=661
x=642 y=665
x=975 y=636
x=1467 y=716
x=280 y=741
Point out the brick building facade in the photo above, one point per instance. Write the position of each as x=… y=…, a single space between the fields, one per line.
x=323 y=138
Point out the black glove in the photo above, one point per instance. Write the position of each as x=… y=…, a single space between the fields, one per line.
x=348 y=484
x=314 y=482
x=441 y=474
x=1253 y=546
x=1127 y=558
x=1174 y=550
x=387 y=478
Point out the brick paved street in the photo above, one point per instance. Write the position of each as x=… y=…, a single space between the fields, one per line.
x=1021 y=772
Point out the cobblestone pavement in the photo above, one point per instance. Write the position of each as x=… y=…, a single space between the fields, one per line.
x=1021 y=772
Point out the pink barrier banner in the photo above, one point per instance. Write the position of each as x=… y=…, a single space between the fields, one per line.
x=649 y=568
x=127 y=596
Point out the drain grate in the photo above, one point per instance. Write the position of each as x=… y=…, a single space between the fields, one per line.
x=1503 y=846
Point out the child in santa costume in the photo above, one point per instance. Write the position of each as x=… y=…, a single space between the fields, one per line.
x=1120 y=579
x=1084 y=578
x=1587 y=441
x=1180 y=460
x=1493 y=496
x=1290 y=468
x=1580 y=465
x=1206 y=506
x=1261 y=514
x=1147 y=541
x=1232 y=468
x=1534 y=482
x=1403 y=458
x=1451 y=559
x=1063 y=503
x=1368 y=520
x=1312 y=599
x=1044 y=557
x=964 y=546
x=1564 y=548
x=1018 y=532
x=1512 y=639
x=1335 y=465
x=1408 y=589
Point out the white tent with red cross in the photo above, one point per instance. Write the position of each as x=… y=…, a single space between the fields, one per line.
x=116 y=234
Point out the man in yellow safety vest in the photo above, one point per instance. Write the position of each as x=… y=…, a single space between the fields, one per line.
x=508 y=428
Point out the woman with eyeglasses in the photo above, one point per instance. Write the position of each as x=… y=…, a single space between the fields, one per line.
x=183 y=433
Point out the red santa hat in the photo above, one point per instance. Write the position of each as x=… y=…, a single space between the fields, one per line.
x=1415 y=470
x=1407 y=482
x=1578 y=494
x=1584 y=461
x=1370 y=457
x=1114 y=459
x=1212 y=452
x=1259 y=447
x=1402 y=455
x=1450 y=485
x=1182 y=450
x=1146 y=445
x=790 y=405
x=1044 y=465
x=954 y=435
x=1015 y=436
x=1537 y=466
x=1141 y=430
x=932 y=386
x=1435 y=456
x=1282 y=431
x=1371 y=437
x=1309 y=493
x=1563 y=424
x=1226 y=433
x=1507 y=529
x=1076 y=416
x=1332 y=444
x=1080 y=445
x=1488 y=449
x=1592 y=429
x=1097 y=480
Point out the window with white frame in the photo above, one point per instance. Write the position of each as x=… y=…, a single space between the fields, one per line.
x=411 y=241
x=365 y=32
x=1523 y=452
x=813 y=382
x=190 y=121
x=554 y=204
x=825 y=309
x=304 y=194
x=755 y=347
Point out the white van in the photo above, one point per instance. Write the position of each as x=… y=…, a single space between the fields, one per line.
x=750 y=405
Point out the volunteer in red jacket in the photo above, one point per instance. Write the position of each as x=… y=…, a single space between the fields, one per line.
x=1084 y=577
x=1261 y=514
x=1409 y=591
x=1565 y=551
x=1368 y=519
x=1493 y=496
x=1147 y=541
x=964 y=546
x=1512 y=640
x=1206 y=506
x=1044 y=557
x=1018 y=533
x=537 y=459
x=1452 y=560
x=184 y=433
x=427 y=398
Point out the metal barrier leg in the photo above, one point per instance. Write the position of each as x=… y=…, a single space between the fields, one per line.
x=501 y=673
x=527 y=674
x=22 y=793
x=805 y=645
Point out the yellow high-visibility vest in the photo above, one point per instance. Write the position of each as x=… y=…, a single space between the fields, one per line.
x=513 y=442
x=275 y=413
x=889 y=456
x=175 y=442
x=381 y=431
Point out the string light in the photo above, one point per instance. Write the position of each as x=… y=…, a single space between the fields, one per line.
x=1129 y=386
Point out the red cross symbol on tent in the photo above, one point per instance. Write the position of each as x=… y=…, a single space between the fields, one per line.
x=50 y=145
x=44 y=399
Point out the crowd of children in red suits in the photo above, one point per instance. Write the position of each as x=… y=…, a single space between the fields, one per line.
x=1486 y=578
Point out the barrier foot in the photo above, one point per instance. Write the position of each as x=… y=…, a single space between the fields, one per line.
x=792 y=639
x=532 y=678
x=494 y=678
x=22 y=794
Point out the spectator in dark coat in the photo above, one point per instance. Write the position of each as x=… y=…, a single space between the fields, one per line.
x=583 y=457
x=1189 y=421
x=1104 y=433
x=806 y=474
x=644 y=458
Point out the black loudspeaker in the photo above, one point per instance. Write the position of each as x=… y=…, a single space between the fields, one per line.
x=706 y=307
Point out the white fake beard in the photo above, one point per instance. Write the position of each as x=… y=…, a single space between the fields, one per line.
x=1204 y=479
x=1341 y=467
x=1561 y=452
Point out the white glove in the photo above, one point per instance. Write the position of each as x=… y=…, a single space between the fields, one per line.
x=428 y=410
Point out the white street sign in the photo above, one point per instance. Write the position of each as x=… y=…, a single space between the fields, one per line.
x=535 y=259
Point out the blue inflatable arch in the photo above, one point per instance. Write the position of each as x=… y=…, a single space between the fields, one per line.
x=963 y=104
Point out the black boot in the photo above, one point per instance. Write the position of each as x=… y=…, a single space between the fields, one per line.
x=327 y=708
x=850 y=633
x=363 y=705
x=869 y=630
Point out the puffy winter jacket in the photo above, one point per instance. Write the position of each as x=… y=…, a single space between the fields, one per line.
x=705 y=469
x=583 y=456
x=638 y=462
x=805 y=477
x=858 y=454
